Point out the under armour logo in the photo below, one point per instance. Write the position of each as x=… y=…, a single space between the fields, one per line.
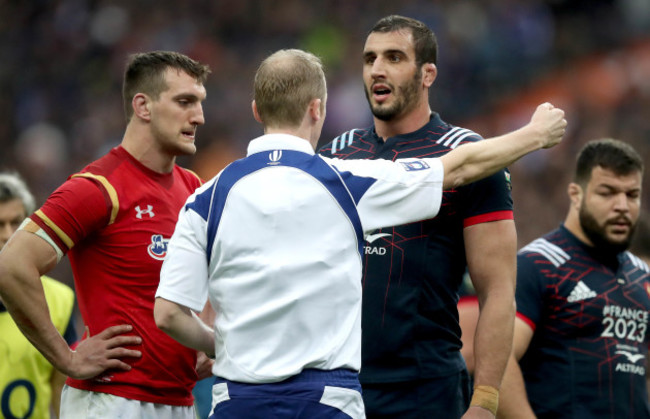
x=141 y=212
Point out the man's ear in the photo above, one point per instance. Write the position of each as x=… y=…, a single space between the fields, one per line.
x=315 y=111
x=575 y=193
x=429 y=74
x=256 y=114
x=141 y=106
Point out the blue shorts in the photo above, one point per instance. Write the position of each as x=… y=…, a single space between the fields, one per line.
x=313 y=394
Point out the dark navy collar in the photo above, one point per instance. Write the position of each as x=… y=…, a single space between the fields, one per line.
x=612 y=261
x=434 y=121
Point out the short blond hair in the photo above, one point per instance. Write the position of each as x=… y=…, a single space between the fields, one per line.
x=285 y=83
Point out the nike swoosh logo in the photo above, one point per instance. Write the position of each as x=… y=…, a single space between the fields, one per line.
x=372 y=237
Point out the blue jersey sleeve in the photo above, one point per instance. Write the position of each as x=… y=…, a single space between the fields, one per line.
x=529 y=293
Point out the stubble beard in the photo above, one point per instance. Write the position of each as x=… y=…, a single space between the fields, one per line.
x=406 y=101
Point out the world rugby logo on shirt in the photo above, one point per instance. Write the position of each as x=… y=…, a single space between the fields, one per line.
x=275 y=157
x=414 y=165
x=158 y=247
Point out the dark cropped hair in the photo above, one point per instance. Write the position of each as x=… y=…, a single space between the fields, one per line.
x=145 y=73
x=610 y=154
x=424 y=40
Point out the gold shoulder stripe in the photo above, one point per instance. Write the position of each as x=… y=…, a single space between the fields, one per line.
x=195 y=175
x=112 y=193
x=66 y=239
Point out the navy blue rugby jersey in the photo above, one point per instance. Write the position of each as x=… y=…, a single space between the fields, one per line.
x=588 y=354
x=412 y=273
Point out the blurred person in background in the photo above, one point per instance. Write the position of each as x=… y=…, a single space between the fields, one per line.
x=412 y=366
x=113 y=220
x=581 y=333
x=30 y=387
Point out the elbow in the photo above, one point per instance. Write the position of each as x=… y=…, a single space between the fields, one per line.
x=163 y=314
x=456 y=179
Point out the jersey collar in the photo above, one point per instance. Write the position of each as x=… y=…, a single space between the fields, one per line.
x=279 y=142
x=434 y=121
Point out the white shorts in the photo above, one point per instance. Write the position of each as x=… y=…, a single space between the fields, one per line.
x=82 y=404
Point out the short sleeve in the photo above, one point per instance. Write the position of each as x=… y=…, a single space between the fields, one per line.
x=75 y=210
x=488 y=199
x=184 y=274
x=529 y=293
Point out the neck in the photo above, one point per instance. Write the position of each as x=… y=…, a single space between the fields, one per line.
x=140 y=144
x=403 y=124
x=301 y=132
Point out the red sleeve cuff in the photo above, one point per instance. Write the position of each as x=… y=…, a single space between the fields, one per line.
x=488 y=217
x=526 y=320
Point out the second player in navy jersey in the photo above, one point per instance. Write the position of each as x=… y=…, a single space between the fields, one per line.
x=581 y=334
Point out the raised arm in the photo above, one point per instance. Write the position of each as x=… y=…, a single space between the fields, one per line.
x=471 y=162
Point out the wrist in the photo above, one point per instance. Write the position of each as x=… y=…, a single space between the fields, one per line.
x=486 y=397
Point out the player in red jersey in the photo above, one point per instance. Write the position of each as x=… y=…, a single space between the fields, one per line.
x=113 y=220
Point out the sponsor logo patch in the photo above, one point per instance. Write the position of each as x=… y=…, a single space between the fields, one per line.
x=158 y=247
x=411 y=166
x=581 y=292
x=139 y=212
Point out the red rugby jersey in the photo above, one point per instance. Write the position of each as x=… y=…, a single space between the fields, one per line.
x=114 y=220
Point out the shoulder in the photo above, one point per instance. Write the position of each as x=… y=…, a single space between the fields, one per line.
x=343 y=141
x=452 y=136
x=448 y=135
x=637 y=262
x=189 y=175
x=544 y=249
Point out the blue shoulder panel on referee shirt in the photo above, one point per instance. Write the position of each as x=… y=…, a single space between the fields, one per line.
x=346 y=189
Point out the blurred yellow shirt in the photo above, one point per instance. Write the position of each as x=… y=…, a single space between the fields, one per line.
x=25 y=390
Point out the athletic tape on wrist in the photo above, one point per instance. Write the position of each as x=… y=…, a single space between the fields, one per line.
x=486 y=397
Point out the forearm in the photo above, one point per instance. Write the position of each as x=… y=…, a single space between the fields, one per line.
x=493 y=338
x=22 y=293
x=184 y=326
x=471 y=162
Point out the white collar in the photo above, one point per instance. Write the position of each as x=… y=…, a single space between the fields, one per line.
x=279 y=142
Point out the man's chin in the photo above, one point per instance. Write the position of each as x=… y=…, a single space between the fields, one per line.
x=187 y=149
x=383 y=114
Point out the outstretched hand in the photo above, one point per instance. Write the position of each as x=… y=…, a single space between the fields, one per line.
x=550 y=123
x=102 y=352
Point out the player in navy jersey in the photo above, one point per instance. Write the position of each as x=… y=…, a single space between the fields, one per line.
x=411 y=361
x=581 y=333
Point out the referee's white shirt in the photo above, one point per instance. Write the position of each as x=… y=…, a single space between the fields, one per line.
x=276 y=241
